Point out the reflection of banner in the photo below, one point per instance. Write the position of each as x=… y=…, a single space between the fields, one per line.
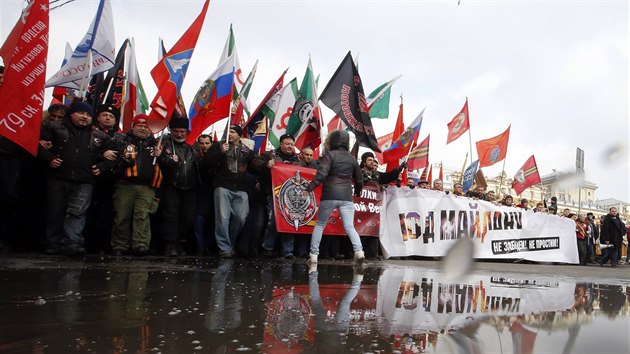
x=289 y=324
x=294 y=210
x=427 y=223
x=413 y=301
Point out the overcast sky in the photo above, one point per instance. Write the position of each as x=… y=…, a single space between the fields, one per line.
x=557 y=71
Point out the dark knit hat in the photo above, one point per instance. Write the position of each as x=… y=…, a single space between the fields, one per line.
x=108 y=108
x=366 y=155
x=79 y=106
x=177 y=123
x=237 y=129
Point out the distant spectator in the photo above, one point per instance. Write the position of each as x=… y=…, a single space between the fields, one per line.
x=524 y=204
x=612 y=232
x=553 y=206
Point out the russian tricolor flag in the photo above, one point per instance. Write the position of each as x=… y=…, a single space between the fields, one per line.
x=212 y=101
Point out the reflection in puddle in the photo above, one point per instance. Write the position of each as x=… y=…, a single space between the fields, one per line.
x=277 y=307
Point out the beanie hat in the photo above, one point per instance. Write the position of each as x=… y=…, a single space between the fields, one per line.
x=366 y=155
x=237 y=129
x=79 y=106
x=108 y=108
x=176 y=123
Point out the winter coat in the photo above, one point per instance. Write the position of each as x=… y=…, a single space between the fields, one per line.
x=135 y=161
x=259 y=166
x=337 y=168
x=612 y=230
x=183 y=174
x=79 y=149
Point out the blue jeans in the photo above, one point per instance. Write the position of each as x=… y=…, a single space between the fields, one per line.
x=271 y=236
x=346 y=210
x=68 y=203
x=230 y=211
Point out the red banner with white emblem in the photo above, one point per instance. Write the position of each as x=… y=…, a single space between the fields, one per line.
x=22 y=94
x=297 y=213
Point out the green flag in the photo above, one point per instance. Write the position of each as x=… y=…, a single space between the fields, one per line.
x=304 y=108
x=378 y=100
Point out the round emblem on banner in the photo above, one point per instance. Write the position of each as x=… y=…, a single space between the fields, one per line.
x=304 y=109
x=296 y=208
x=495 y=153
x=520 y=176
x=458 y=123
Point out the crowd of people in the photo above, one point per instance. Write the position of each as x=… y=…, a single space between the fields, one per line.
x=95 y=189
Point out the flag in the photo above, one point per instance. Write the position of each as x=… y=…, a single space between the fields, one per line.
x=241 y=103
x=459 y=124
x=213 y=99
x=281 y=106
x=493 y=150
x=95 y=90
x=229 y=49
x=441 y=175
x=180 y=109
x=335 y=124
x=113 y=84
x=305 y=121
x=480 y=179
x=400 y=147
x=98 y=42
x=170 y=71
x=384 y=143
x=423 y=176
x=22 y=94
x=215 y=138
x=344 y=95
x=469 y=175
x=419 y=156
x=526 y=176
x=134 y=99
x=430 y=177
x=378 y=100
x=256 y=125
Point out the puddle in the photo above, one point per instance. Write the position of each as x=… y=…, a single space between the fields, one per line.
x=276 y=307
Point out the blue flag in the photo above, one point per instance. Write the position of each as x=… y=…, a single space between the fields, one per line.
x=469 y=175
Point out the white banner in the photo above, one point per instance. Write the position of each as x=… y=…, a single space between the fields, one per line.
x=423 y=222
x=412 y=301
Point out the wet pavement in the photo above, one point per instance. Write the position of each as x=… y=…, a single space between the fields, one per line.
x=190 y=305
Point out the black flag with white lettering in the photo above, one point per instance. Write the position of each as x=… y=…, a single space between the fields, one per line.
x=344 y=95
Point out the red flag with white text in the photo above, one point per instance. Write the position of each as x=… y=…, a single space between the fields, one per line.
x=22 y=94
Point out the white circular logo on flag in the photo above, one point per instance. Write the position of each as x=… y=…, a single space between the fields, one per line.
x=458 y=123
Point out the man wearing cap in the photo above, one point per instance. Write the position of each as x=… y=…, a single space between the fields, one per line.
x=138 y=179
x=285 y=153
x=72 y=162
x=180 y=164
x=100 y=217
x=229 y=160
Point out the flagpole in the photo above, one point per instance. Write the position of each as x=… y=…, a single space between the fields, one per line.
x=502 y=172
x=83 y=86
x=461 y=178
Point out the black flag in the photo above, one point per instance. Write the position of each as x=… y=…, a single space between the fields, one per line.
x=344 y=95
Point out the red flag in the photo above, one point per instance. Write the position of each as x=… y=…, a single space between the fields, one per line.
x=430 y=177
x=493 y=150
x=169 y=73
x=441 y=175
x=459 y=124
x=22 y=94
x=400 y=147
x=215 y=138
x=419 y=156
x=526 y=176
x=335 y=124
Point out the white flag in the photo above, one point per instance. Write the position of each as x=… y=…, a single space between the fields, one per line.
x=100 y=41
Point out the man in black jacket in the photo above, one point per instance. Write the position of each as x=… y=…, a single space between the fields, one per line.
x=72 y=168
x=285 y=153
x=229 y=160
x=612 y=232
x=180 y=164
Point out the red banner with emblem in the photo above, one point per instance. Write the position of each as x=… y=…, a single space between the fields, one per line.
x=296 y=213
